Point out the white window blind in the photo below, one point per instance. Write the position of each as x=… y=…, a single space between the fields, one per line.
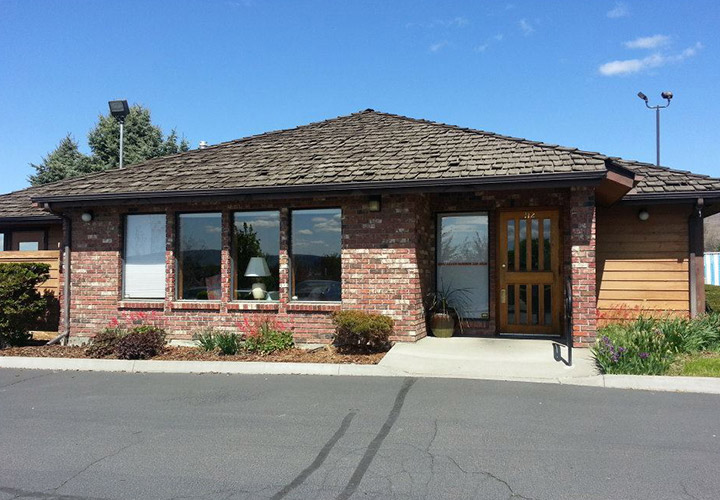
x=144 y=271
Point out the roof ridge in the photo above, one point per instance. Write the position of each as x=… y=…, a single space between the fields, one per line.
x=522 y=140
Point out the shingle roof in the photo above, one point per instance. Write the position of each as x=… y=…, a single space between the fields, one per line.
x=656 y=180
x=364 y=148
x=17 y=205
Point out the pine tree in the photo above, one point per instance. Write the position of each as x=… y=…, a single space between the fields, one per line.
x=64 y=162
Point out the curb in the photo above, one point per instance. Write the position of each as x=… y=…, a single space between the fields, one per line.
x=702 y=385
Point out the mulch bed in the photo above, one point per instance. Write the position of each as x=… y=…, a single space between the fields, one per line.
x=172 y=353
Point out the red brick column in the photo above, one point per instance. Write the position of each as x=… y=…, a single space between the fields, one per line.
x=582 y=265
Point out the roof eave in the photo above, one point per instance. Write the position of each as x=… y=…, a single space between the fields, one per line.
x=460 y=184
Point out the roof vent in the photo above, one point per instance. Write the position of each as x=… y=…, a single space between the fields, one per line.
x=202 y=145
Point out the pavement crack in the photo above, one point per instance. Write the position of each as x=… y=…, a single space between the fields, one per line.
x=377 y=441
x=25 y=380
x=18 y=493
x=319 y=459
x=104 y=457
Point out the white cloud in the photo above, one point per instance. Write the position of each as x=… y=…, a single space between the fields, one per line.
x=481 y=48
x=437 y=47
x=305 y=231
x=630 y=66
x=498 y=37
x=526 y=27
x=620 y=10
x=648 y=42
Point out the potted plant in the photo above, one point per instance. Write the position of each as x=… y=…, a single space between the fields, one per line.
x=444 y=309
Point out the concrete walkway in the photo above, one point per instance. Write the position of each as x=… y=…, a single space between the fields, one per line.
x=488 y=358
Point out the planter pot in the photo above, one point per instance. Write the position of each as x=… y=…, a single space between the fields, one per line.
x=442 y=325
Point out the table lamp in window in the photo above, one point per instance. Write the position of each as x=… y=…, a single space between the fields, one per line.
x=258 y=268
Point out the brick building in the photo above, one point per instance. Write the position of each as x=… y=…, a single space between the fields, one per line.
x=372 y=211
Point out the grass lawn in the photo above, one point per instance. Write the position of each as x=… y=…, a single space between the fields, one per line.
x=703 y=364
x=712 y=297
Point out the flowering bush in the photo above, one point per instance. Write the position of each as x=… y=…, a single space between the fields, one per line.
x=265 y=334
x=648 y=346
x=358 y=330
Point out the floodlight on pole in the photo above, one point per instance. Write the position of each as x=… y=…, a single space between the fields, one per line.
x=667 y=96
x=119 y=110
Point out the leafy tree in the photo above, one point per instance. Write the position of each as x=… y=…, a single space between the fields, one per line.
x=142 y=141
x=64 y=162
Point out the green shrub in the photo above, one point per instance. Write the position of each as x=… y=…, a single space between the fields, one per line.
x=648 y=346
x=268 y=340
x=227 y=343
x=206 y=339
x=141 y=342
x=357 y=330
x=21 y=305
x=264 y=334
x=105 y=342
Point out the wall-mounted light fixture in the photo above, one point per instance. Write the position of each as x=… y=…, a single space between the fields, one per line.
x=87 y=216
x=643 y=215
x=375 y=203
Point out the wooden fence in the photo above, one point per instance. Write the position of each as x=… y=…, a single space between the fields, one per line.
x=51 y=257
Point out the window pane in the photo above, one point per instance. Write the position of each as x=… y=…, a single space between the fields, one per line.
x=511 y=245
x=546 y=243
x=462 y=263
x=2 y=242
x=522 y=244
x=534 y=230
x=315 y=254
x=199 y=248
x=547 y=290
x=144 y=263
x=511 y=304
x=256 y=235
x=535 y=317
x=28 y=246
x=522 y=304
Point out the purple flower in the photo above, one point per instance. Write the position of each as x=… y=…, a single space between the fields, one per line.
x=644 y=355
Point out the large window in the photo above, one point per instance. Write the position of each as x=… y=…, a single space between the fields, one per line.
x=144 y=257
x=2 y=242
x=256 y=245
x=315 y=254
x=462 y=263
x=199 y=252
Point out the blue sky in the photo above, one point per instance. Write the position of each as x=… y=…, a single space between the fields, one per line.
x=561 y=72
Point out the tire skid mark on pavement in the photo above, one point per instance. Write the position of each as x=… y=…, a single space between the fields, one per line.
x=319 y=460
x=376 y=443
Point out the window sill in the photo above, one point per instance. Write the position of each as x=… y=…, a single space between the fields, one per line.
x=197 y=305
x=259 y=305
x=141 y=304
x=314 y=306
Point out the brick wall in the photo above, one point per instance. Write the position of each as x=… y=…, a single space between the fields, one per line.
x=582 y=265
x=380 y=272
x=388 y=264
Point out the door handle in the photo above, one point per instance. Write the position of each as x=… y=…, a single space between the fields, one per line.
x=503 y=266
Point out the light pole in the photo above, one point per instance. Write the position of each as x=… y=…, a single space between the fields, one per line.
x=667 y=96
x=119 y=110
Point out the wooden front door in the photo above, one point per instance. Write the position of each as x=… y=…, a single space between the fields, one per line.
x=529 y=272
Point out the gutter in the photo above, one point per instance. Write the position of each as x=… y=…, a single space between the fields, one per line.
x=67 y=244
x=494 y=182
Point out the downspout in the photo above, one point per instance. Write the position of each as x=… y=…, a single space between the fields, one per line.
x=67 y=239
x=697 y=244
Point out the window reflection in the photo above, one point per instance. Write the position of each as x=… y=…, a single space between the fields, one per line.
x=199 y=249
x=256 y=248
x=316 y=254
x=462 y=262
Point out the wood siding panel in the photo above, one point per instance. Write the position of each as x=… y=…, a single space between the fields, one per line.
x=642 y=265
x=51 y=257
